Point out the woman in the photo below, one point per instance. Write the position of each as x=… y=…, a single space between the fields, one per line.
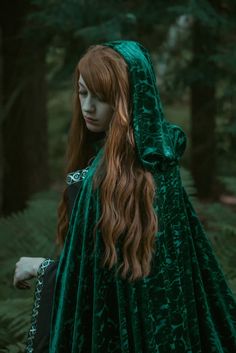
x=136 y=272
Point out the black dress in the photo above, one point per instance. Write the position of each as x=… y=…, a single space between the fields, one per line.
x=39 y=333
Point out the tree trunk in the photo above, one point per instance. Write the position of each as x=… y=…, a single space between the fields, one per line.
x=203 y=111
x=1 y=119
x=25 y=121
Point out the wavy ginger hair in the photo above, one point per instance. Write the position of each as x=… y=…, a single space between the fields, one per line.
x=127 y=190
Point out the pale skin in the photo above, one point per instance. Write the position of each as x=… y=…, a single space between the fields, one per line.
x=26 y=269
x=97 y=115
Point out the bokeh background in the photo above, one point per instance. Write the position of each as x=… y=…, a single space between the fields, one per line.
x=192 y=44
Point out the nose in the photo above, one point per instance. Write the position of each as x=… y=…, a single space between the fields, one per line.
x=88 y=105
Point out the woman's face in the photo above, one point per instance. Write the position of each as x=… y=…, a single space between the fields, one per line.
x=97 y=113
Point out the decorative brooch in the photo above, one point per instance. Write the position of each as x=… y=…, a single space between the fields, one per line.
x=76 y=176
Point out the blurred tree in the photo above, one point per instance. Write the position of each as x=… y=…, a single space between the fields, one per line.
x=1 y=117
x=72 y=26
x=203 y=109
x=24 y=125
x=205 y=62
x=225 y=60
x=29 y=28
x=211 y=29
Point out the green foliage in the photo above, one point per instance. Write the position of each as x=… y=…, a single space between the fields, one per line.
x=223 y=239
x=14 y=323
x=224 y=245
x=220 y=225
x=27 y=233
x=230 y=183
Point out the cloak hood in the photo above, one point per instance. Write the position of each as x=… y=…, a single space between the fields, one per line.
x=158 y=142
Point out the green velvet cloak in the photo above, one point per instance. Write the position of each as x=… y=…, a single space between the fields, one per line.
x=185 y=304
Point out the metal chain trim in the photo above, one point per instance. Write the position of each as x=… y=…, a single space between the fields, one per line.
x=35 y=310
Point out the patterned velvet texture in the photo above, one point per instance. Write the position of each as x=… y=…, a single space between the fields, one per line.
x=185 y=304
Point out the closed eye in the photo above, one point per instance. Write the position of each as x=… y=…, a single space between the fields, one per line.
x=82 y=93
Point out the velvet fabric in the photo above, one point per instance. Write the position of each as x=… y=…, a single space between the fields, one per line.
x=185 y=304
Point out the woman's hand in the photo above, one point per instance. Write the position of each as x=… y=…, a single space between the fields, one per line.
x=26 y=269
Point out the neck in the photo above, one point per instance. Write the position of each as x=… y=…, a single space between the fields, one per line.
x=98 y=143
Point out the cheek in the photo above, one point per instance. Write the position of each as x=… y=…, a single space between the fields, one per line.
x=105 y=112
x=108 y=114
x=81 y=101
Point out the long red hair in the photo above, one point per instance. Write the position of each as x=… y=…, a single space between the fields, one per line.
x=127 y=190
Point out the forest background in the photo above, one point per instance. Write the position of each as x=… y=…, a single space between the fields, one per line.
x=192 y=44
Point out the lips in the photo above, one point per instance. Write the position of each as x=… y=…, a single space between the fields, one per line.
x=89 y=120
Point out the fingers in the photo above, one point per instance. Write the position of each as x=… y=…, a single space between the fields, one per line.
x=26 y=268
x=22 y=271
x=19 y=280
x=22 y=285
